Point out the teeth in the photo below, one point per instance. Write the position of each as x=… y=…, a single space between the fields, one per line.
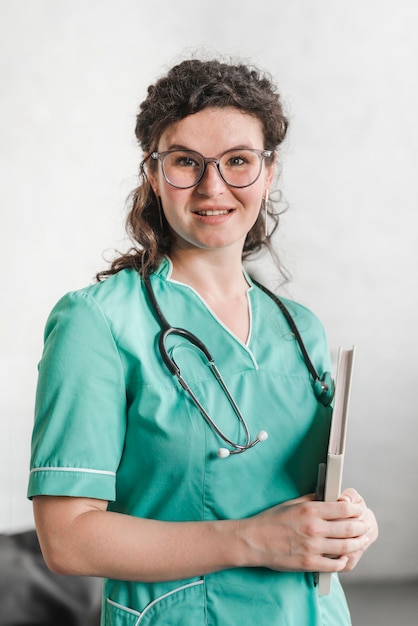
x=209 y=212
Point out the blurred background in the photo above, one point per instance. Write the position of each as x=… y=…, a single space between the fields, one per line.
x=72 y=75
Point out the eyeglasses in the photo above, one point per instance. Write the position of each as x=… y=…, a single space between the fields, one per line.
x=186 y=168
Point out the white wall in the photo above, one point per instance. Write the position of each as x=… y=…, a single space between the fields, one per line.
x=72 y=74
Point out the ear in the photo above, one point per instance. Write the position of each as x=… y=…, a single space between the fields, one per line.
x=152 y=179
x=270 y=172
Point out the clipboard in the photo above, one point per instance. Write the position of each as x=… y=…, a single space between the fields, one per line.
x=330 y=474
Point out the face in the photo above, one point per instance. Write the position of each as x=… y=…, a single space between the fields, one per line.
x=212 y=215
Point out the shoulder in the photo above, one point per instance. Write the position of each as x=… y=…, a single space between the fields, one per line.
x=308 y=325
x=121 y=285
x=100 y=304
x=299 y=313
x=115 y=290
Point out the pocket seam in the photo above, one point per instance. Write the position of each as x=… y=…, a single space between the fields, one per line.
x=166 y=595
x=122 y=607
x=141 y=615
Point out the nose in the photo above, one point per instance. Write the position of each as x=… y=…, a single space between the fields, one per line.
x=212 y=182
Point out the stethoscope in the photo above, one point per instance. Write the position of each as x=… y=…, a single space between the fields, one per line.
x=323 y=386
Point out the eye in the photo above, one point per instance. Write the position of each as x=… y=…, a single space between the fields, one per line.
x=184 y=160
x=237 y=160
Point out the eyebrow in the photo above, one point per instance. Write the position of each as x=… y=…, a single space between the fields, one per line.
x=181 y=147
x=178 y=146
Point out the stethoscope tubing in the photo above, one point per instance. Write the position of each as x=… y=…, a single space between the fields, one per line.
x=175 y=370
x=294 y=329
x=167 y=329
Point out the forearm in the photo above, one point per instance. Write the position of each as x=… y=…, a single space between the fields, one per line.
x=80 y=537
x=95 y=542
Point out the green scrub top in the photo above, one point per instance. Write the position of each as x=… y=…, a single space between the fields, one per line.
x=112 y=423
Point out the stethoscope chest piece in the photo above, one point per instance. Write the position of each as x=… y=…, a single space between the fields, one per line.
x=324 y=388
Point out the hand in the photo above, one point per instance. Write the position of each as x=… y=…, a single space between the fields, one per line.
x=307 y=535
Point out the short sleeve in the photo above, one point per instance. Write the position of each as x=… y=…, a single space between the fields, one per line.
x=80 y=409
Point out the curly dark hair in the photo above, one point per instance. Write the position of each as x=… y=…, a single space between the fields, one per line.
x=187 y=88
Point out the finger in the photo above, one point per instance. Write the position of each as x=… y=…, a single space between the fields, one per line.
x=336 y=548
x=347 y=529
x=330 y=511
x=334 y=564
x=350 y=495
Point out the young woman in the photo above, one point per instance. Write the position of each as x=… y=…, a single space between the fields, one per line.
x=193 y=498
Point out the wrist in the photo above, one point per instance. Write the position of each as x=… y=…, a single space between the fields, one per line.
x=241 y=548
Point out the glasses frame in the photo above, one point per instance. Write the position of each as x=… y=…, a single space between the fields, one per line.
x=160 y=156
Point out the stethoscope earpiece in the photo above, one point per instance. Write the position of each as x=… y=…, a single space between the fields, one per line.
x=224 y=453
x=262 y=435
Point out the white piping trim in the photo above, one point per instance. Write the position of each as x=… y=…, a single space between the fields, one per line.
x=166 y=595
x=250 y=309
x=72 y=469
x=123 y=608
x=245 y=345
x=154 y=602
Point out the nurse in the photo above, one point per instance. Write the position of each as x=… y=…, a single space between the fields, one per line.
x=126 y=479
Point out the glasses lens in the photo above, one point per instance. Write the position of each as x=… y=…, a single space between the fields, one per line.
x=182 y=168
x=240 y=168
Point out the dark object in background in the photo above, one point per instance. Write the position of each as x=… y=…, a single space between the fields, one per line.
x=31 y=595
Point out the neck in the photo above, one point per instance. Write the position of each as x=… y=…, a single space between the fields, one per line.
x=217 y=275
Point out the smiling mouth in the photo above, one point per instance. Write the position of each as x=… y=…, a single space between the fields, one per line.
x=209 y=212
